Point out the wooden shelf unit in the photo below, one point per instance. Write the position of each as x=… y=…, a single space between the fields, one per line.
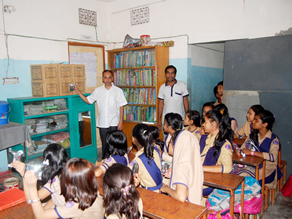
x=161 y=62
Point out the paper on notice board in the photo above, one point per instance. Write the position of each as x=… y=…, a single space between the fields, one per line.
x=90 y=61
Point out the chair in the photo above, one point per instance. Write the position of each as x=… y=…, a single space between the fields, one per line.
x=283 y=167
x=270 y=193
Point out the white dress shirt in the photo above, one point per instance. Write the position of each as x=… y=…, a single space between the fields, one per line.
x=108 y=104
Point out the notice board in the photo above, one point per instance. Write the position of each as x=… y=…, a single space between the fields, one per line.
x=93 y=57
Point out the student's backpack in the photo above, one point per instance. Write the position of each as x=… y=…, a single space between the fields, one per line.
x=219 y=199
x=287 y=188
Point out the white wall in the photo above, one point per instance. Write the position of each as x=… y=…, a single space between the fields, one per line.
x=54 y=20
x=207 y=55
x=205 y=21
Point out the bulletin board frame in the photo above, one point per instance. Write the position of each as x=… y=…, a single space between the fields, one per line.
x=99 y=51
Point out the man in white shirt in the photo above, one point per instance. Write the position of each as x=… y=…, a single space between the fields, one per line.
x=110 y=101
x=172 y=96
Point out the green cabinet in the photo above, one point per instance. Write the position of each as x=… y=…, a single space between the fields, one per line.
x=49 y=119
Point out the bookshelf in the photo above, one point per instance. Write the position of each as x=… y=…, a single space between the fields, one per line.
x=139 y=72
x=58 y=116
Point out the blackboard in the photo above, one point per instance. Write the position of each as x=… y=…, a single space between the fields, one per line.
x=263 y=64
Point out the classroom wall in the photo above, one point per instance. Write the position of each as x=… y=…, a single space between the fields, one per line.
x=205 y=70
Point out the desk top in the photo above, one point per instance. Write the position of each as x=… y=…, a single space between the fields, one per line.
x=223 y=181
x=239 y=141
x=156 y=205
x=22 y=210
x=12 y=134
x=248 y=160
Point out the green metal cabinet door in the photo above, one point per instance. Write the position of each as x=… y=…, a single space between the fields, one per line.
x=82 y=129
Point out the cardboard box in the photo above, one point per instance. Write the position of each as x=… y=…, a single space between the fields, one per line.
x=64 y=86
x=45 y=89
x=44 y=72
x=46 y=77
x=81 y=84
x=65 y=71
x=78 y=71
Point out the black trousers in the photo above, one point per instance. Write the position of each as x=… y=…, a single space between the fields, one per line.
x=103 y=133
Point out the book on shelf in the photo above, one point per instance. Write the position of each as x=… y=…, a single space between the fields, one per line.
x=134 y=59
x=144 y=96
x=143 y=77
x=140 y=114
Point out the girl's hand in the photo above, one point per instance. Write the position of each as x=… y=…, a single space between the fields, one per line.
x=97 y=164
x=19 y=166
x=246 y=151
x=137 y=179
x=167 y=174
x=30 y=179
x=163 y=188
x=237 y=153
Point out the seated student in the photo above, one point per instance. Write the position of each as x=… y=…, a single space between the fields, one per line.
x=218 y=92
x=192 y=123
x=121 y=199
x=158 y=143
x=117 y=147
x=268 y=146
x=186 y=178
x=206 y=107
x=246 y=129
x=78 y=186
x=233 y=123
x=215 y=148
x=147 y=158
x=55 y=158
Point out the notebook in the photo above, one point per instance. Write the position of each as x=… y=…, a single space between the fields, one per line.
x=11 y=197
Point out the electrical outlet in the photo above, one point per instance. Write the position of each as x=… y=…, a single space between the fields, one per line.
x=10 y=80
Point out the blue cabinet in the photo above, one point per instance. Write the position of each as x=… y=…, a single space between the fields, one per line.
x=49 y=119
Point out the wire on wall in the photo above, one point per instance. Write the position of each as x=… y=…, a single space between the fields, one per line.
x=5 y=37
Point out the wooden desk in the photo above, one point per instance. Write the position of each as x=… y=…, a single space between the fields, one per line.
x=20 y=211
x=239 y=141
x=252 y=161
x=228 y=182
x=156 y=205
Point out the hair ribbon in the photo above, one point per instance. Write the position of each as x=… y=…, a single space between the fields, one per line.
x=125 y=190
x=46 y=162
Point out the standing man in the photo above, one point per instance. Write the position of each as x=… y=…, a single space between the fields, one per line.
x=110 y=101
x=172 y=96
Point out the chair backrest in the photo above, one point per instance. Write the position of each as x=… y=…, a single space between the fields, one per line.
x=279 y=158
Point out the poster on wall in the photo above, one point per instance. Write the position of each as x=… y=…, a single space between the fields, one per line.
x=90 y=61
